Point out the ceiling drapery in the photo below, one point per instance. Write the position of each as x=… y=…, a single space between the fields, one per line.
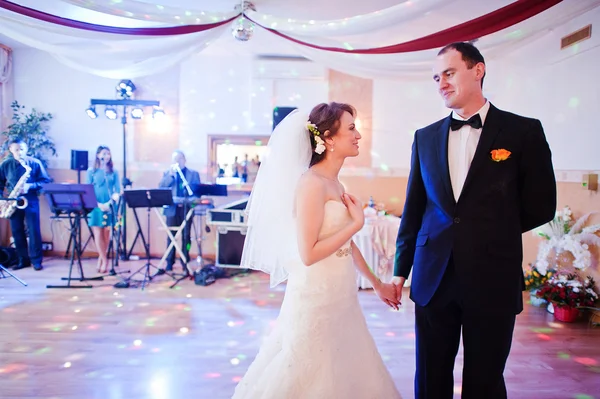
x=376 y=44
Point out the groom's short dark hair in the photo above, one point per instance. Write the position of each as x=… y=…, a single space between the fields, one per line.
x=470 y=54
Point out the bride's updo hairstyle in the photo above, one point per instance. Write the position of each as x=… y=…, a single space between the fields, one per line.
x=326 y=118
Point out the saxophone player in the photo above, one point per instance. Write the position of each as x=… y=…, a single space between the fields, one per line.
x=11 y=171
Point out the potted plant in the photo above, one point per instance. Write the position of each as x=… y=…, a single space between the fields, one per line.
x=33 y=129
x=595 y=317
x=534 y=280
x=568 y=293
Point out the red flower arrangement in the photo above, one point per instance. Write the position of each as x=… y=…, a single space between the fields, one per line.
x=569 y=291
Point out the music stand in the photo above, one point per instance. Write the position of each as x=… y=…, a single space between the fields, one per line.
x=211 y=190
x=151 y=198
x=75 y=201
x=200 y=190
x=90 y=237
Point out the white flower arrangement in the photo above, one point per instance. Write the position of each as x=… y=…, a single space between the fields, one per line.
x=320 y=147
x=562 y=234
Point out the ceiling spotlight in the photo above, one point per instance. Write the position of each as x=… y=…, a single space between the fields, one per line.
x=91 y=112
x=158 y=113
x=137 y=113
x=125 y=88
x=111 y=113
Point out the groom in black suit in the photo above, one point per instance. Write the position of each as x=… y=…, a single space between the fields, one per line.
x=479 y=179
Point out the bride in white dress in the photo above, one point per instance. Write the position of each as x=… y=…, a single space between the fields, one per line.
x=300 y=228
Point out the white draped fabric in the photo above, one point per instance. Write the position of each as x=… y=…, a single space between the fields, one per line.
x=105 y=54
x=418 y=63
x=117 y=56
x=377 y=243
x=161 y=13
x=405 y=12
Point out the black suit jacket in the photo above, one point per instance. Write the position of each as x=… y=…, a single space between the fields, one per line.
x=11 y=172
x=483 y=230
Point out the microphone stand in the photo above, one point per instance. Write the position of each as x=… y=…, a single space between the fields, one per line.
x=188 y=193
x=184 y=180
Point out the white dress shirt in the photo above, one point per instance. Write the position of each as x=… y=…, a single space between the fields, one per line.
x=462 y=144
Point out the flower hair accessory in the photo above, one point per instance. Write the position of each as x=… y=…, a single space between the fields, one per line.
x=320 y=147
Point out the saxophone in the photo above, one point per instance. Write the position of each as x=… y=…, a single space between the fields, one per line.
x=7 y=208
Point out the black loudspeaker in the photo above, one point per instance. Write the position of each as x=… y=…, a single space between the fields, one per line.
x=79 y=160
x=279 y=113
x=8 y=257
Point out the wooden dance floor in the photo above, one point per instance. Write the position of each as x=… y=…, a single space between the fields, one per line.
x=196 y=342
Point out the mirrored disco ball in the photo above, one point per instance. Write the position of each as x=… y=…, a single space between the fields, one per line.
x=243 y=30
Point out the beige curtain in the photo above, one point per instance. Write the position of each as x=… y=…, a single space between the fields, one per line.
x=6 y=98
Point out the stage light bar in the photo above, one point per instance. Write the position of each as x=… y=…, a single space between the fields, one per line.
x=158 y=113
x=125 y=88
x=91 y=112
x=137 y=113
x=111 y=113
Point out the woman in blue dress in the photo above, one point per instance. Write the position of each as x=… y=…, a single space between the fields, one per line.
x=106 y=186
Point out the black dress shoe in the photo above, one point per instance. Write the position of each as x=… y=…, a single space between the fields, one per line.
x=21 y=266
x=38 y=266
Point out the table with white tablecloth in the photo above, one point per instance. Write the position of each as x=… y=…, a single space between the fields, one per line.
x=377 y=243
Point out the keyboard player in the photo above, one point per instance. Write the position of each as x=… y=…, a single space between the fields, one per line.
x=175 y=214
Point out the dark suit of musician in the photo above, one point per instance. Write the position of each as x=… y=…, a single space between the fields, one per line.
x=11 y=171
x=175 y=214
x=479 y=179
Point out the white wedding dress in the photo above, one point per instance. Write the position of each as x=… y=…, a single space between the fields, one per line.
x=321 y=347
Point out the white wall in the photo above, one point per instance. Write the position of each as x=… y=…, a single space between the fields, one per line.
x=399 y=109
x=43 y=83
x=559 y=87
x=236 y=95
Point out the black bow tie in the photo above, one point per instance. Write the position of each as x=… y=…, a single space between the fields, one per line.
x=474 y=121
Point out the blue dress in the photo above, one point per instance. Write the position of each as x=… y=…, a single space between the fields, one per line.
x=105 y=185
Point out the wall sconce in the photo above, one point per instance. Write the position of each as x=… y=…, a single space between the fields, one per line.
x=590 y=181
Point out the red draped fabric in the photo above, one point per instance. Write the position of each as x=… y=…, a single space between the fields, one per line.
x=489 y=23
x=159 y=31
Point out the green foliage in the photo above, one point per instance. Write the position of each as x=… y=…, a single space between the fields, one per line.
x=33 y=129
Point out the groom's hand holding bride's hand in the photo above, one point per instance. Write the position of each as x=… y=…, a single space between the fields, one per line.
x=398 y=282
x=387 y=293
